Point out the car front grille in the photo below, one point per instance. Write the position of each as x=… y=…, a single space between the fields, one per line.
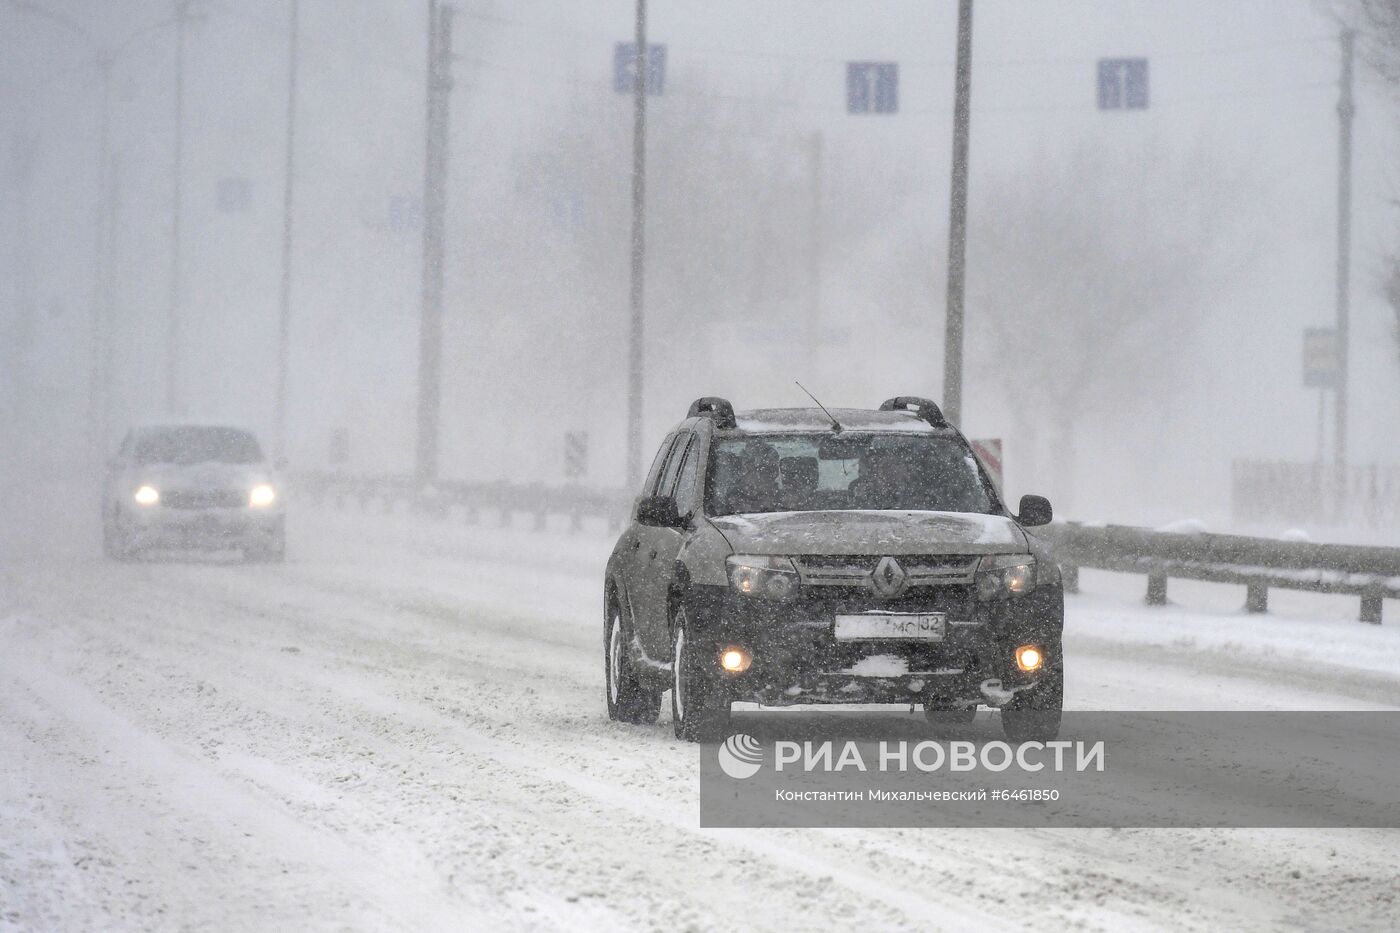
x=204 y=498
x=857 y=571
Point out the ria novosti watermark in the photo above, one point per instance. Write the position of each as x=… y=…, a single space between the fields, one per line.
x=929 y=756
x=1102 y=769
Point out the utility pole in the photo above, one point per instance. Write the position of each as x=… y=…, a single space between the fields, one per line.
x=639 y=189
x=102 y=299
x=172 y=336
x=814 y=318
x=104 y=420
x=1346 y=112
x=23 y=337
x=957 y=221
x=434 y=219
x=284 y=320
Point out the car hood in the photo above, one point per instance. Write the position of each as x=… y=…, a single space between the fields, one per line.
x=871 y=533
x=210 y=475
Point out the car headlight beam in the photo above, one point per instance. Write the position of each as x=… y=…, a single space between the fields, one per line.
x=763 y=576
x=1002 y=576
x=146 y=495
x=261 y=496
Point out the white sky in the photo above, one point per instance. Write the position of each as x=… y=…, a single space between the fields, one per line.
x=1253 y=82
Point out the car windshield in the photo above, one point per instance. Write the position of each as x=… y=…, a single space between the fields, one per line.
x=197 y=445
x=817 y=472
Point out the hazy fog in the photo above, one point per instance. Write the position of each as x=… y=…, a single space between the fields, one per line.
x=1173 y=255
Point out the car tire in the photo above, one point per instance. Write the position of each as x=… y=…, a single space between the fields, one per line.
x=115 y=544
x=697 y=713
x=274 y=552
x=1034 y=715
x=629 y=700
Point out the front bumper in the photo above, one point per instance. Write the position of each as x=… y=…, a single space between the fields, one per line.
x=797 y=659
x=202 y=529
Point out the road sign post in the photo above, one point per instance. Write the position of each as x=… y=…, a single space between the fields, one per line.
x=1321 y=358
x=1321 y=370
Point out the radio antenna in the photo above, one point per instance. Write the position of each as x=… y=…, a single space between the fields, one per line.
x=835 y=425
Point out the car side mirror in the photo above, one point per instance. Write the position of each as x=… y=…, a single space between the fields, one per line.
x=659 y=512
x=1035 y=510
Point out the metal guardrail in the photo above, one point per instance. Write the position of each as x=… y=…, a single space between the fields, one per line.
x=390 y=492
x=1258 y=564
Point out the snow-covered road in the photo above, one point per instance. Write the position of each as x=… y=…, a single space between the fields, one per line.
x=403 y=728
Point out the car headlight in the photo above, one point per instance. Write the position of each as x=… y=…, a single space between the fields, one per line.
x=1001 y=576
x=262 y=496
x=146 y=495
x=762 y=576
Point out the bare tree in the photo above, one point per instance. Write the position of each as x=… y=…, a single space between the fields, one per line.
x=1378 y=24
x=1089 y=277
x=726 y=230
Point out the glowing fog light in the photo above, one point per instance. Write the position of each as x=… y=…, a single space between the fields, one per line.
x=1029 y=658
x=147 y=495
x=262 y=496
x=735 y=660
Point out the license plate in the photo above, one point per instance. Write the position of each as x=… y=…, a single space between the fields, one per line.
x=887 y=626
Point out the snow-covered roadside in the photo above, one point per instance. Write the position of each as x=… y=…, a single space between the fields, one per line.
x=197 y=743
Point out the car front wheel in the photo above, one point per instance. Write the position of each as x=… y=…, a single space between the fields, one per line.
x=115 y=543
x=273 y=551
x=629 y=700
x=698 y=714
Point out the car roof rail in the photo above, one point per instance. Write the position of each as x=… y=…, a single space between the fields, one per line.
x=713 y=407
x=925 y=408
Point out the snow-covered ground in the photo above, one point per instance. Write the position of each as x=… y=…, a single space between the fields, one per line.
x=403 y=728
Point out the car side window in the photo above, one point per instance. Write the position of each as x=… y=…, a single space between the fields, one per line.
x=685 y=486
x=669 y=475
x=649 y=487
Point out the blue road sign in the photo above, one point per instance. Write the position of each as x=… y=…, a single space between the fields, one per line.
x=872 y=87
x=625 y=57
x=1122 y=84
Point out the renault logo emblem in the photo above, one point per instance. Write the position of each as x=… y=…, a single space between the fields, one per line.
x=889 y=578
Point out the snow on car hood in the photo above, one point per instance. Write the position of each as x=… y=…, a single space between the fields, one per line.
x=871 y=532
x=210 y=475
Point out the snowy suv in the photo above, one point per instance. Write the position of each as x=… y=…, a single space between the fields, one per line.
x=792 y=556
x=192 y=486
